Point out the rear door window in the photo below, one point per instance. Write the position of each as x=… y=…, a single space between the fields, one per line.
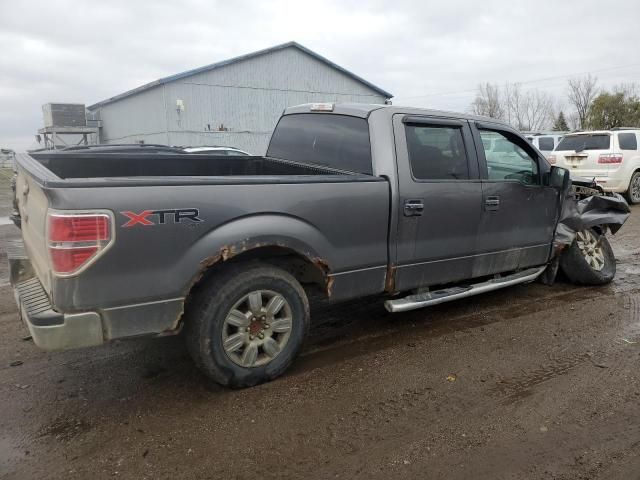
x=335 y=141
x=627 y=141
x=545 y=143
x=585 y=142
x=437 y=152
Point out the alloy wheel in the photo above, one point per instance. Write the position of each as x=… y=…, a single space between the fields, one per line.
x=257 y=328
x=635 y=188
x=591 y=249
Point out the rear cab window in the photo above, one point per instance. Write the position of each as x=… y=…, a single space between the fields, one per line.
x=627 y=141
x=597 y=141
x=330 y=140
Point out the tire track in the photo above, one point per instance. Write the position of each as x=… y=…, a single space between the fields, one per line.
x=363 y=424
x=522 y=386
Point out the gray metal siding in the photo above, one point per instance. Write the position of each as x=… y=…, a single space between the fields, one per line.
x=139 y=117
x=247 y=98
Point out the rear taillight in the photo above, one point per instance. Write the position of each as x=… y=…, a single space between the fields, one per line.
x=76 y=239
x=552 y=159
x=610 y=158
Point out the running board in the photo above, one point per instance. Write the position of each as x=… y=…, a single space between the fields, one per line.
x=425 y=299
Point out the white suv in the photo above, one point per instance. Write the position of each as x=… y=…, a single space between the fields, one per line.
x=545 y=142
x=610 y=156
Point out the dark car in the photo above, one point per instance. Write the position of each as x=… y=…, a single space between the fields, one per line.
x=350 y=200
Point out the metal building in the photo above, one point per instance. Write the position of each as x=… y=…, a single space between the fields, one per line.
x=235 y=103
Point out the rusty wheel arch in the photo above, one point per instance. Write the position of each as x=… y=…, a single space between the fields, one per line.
x=308 y=269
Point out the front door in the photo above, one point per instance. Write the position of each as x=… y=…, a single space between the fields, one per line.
x=519 y=213
x=440 y=195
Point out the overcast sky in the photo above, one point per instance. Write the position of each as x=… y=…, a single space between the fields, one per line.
x=426 y=53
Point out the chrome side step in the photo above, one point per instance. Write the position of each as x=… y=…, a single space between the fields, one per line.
x=419 y=300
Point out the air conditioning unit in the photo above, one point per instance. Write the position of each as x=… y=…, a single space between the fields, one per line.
x=64 y=115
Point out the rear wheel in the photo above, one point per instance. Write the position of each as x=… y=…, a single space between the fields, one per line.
x=247 y=324
x=589 y=260
x=633 y=193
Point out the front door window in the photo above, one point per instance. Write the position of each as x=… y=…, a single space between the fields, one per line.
x=507 y=160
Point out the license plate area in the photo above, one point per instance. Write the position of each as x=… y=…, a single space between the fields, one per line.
x=574 y=161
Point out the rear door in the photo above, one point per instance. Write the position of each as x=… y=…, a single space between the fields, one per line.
x=581 y=153
x=518 y=213
x=440 y=200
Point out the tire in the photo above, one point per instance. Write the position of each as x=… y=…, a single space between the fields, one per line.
x=633 y=192
x=589 y=260
x=244 y=350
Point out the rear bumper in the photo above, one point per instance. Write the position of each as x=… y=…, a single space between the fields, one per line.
x=53 y=330
x=612 y=184
x=617 y=183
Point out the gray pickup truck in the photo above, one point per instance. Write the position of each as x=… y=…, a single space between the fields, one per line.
x=350 y=200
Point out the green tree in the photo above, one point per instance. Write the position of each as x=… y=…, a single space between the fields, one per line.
x=618 y=109
x=560 y=124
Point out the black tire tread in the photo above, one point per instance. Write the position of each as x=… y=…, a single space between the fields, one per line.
x=199 y=310
x=627 y=194
x=576 y=268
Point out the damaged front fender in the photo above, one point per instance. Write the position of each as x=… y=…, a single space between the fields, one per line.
x=602 y=210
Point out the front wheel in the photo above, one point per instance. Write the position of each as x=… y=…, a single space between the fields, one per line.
x=589 y=260
x=633 y=193
x=246 y=325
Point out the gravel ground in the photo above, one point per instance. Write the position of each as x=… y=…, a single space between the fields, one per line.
x=528 y=382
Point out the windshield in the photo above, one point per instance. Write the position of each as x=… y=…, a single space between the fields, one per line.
x=584 y=142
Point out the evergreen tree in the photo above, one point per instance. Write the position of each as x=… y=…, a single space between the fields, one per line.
x=560 y=125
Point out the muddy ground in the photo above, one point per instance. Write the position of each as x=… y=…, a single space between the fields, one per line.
x=529 y=382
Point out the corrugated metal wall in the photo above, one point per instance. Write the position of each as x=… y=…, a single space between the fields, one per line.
x=246 y=98
x=138 y=117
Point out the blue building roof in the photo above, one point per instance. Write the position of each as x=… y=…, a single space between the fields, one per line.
x=241 y=58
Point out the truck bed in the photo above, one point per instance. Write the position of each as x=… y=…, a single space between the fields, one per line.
x=79 y=165
x=339 y=219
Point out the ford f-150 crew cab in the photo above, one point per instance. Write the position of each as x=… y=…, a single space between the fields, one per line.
x=350 y=200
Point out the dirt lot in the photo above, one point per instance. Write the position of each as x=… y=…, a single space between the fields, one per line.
x=529 y=382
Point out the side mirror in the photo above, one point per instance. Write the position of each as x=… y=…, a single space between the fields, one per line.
x=559 y=178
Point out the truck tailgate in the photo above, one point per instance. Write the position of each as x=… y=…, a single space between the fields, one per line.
x=33 y=205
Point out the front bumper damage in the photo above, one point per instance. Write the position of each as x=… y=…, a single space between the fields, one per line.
x=586 y=205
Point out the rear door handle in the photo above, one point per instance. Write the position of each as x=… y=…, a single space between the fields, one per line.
x=492 y=203
x=413 y=207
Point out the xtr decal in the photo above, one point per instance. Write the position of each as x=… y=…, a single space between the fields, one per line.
x=161 y=217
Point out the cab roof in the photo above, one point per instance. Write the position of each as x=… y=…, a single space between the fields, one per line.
x=363 y=110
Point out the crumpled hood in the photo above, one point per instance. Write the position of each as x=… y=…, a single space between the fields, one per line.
x=610 y=210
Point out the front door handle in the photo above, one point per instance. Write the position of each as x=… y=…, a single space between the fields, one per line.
x=492 y=203
x=413 y=207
